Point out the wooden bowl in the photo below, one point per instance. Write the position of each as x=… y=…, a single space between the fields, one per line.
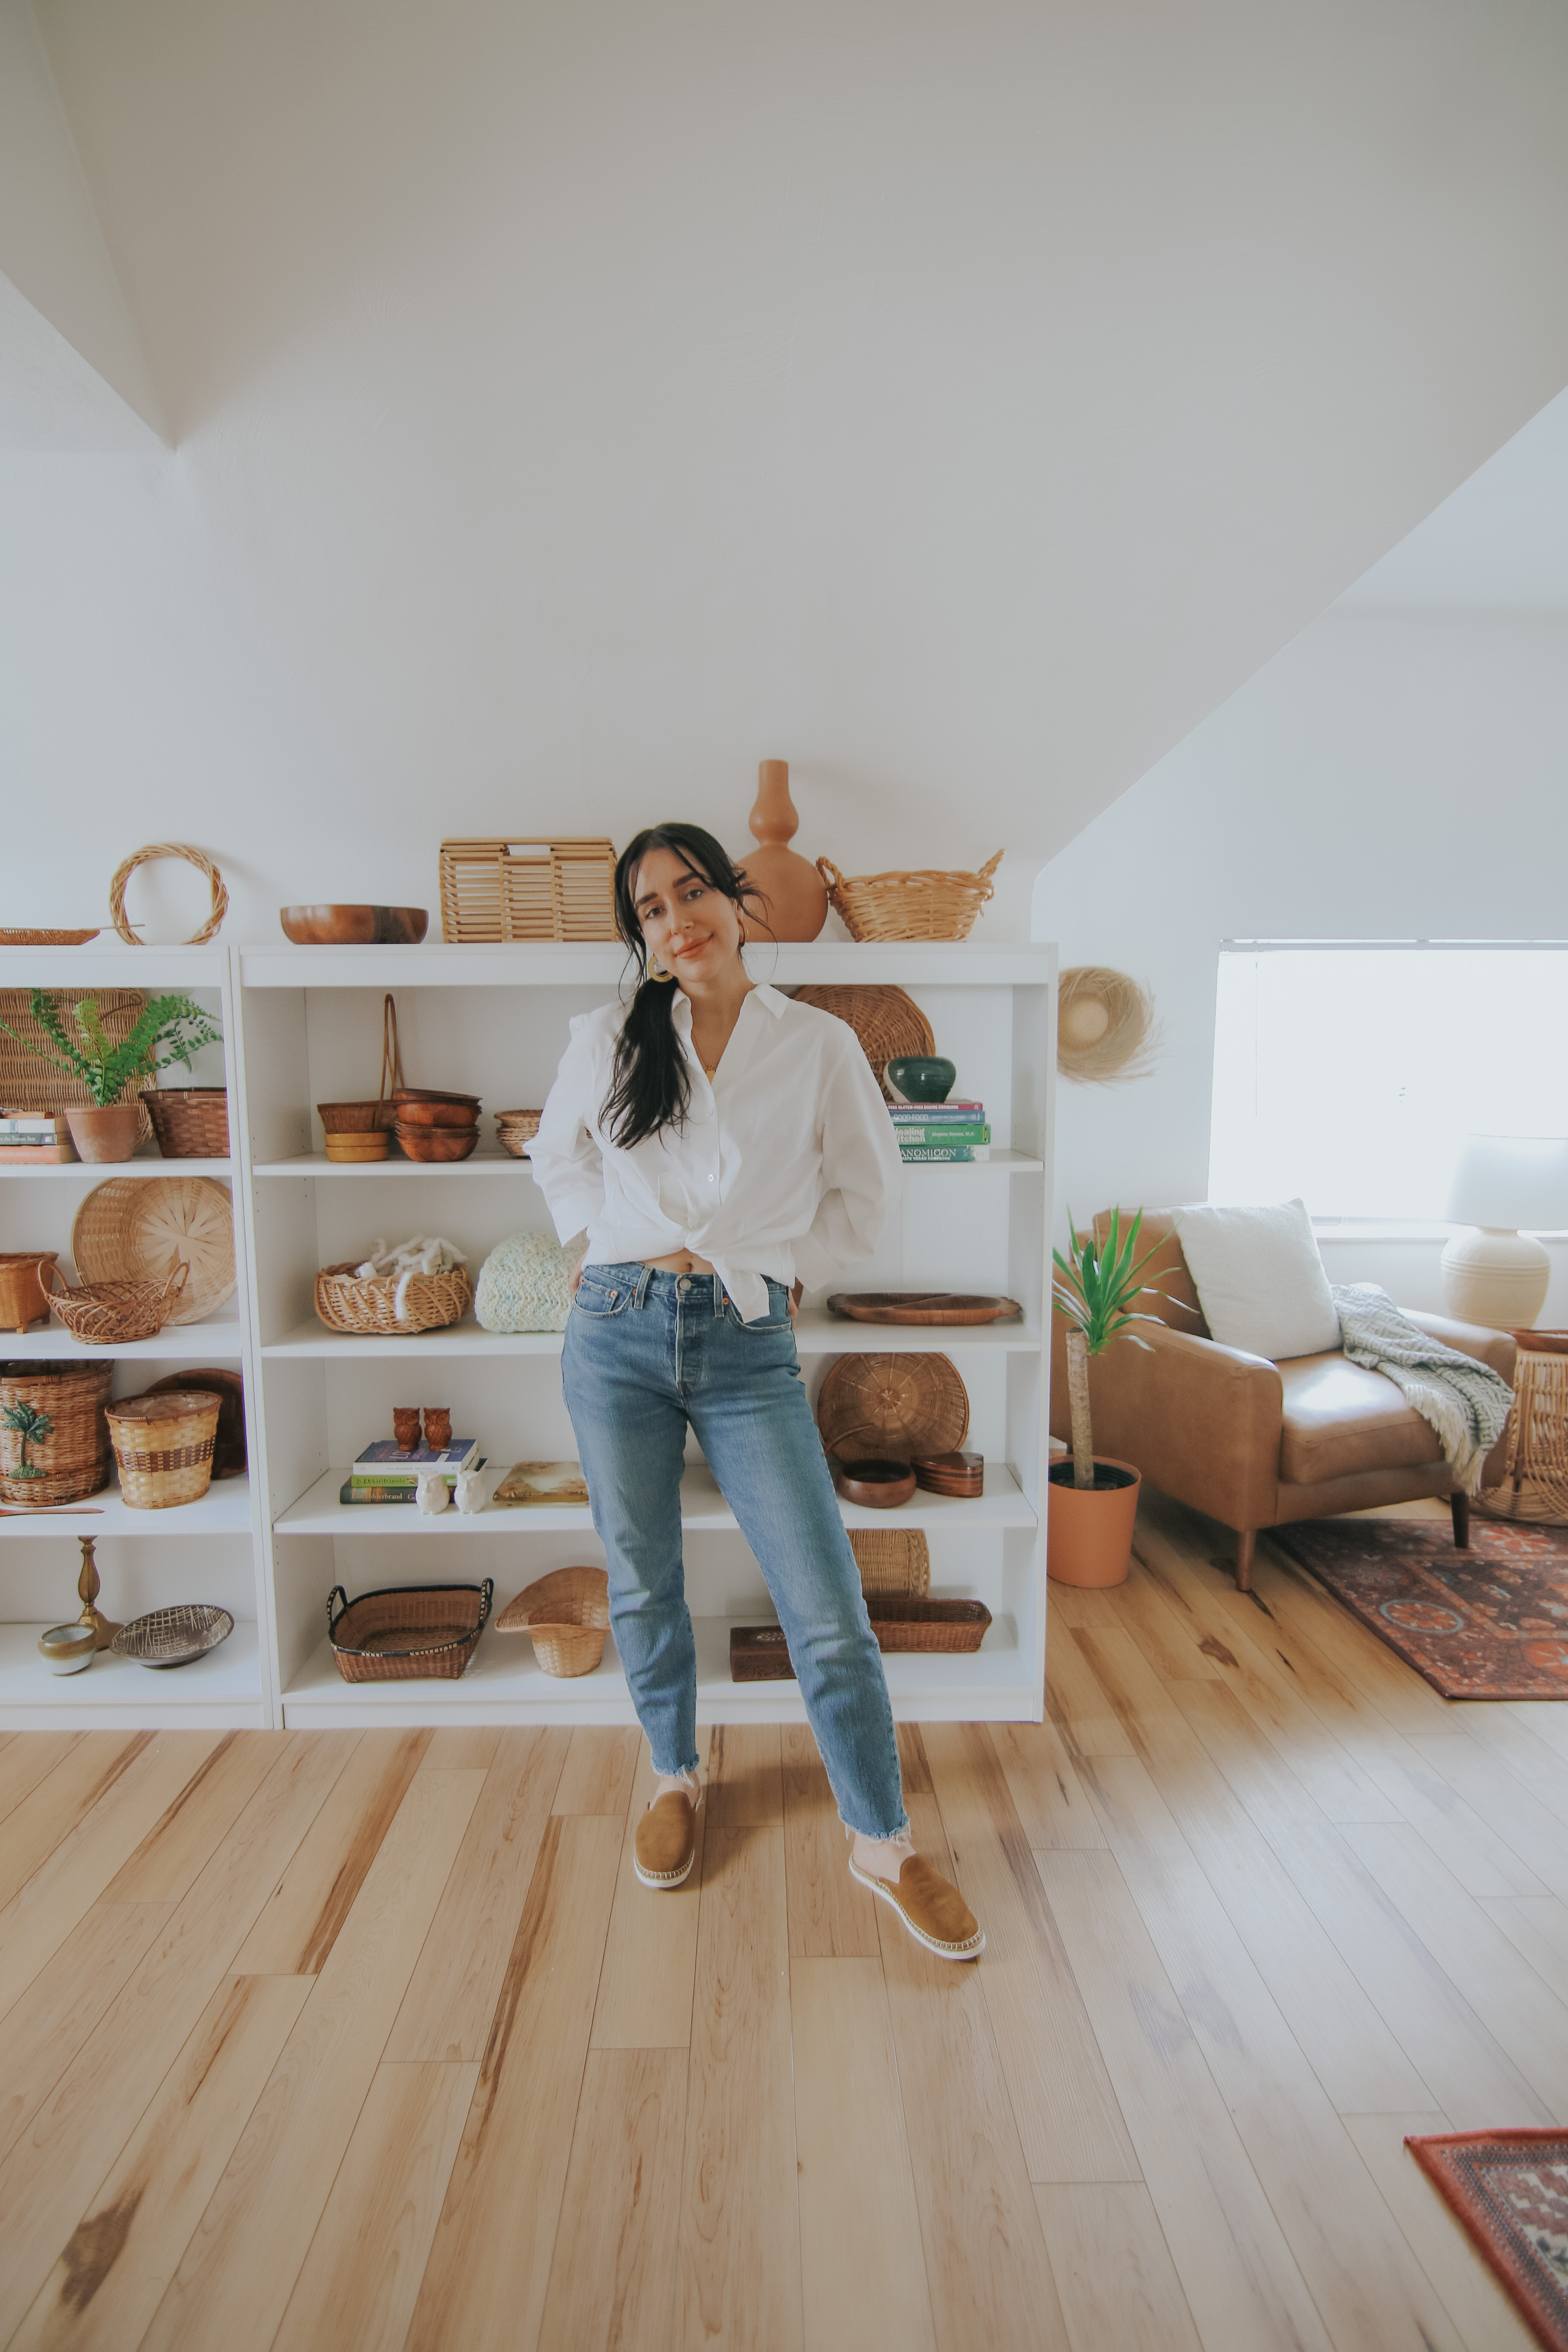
x=435 y=1143
x=359 y=1150
x=950 y=1473
x=354 y=927
x=452 y=1110
x=876 y=1485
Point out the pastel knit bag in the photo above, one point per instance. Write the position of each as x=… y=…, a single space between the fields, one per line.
x=524 y=1285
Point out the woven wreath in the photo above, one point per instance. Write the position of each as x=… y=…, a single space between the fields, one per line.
x=196 y=857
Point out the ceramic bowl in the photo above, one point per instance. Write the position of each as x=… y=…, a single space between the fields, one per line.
x=354 y=927
x=66 y=1649
x=174 y=1637
x=876 y=1485
x=921 y=1077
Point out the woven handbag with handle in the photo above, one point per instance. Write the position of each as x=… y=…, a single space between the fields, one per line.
x=410 y=1635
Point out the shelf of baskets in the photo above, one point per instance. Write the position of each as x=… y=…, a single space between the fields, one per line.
x=210 y=1549
x=494 y=1021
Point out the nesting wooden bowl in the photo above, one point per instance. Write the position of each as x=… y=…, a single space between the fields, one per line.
x=876 y=1485
x=354 y=926
x=435 y=1110
x=437 y=1143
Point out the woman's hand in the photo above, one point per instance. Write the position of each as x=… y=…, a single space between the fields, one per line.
x=575 y=1276
x=796 y=1289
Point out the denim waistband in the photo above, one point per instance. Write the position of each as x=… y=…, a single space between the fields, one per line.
x=645 y=1282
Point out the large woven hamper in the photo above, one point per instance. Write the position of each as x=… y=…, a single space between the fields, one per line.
x=74 y=1458
x=417 y=1633
x=164 y=1446
x=498 y=890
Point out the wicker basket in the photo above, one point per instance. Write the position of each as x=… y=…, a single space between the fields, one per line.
x=887 y=1023
x=23 y=1299
x=347 y=1301
x=927 y=905
x=892 y=1560
x=29 y=1084
x=416 y=1634
x=515 y=1130
x=163 y=1447
x=11 y=939
x=74 y=1458
x=889 y=1408
x=370 y=1117
x=140 y=1228
x=493 y=891
x=190 y=1122
x=568 y=1614
x=900 y=1625
x=105 y=1314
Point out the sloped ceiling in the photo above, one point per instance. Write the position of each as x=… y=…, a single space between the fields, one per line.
x=575 y=402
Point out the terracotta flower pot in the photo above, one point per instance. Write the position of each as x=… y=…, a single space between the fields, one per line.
x=1088 y=1531
x=109 y=1134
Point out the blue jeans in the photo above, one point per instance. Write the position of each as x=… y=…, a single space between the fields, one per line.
x=647 y=1354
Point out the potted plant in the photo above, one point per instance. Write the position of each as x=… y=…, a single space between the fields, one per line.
x=112 y=1074
x=1092 y=1500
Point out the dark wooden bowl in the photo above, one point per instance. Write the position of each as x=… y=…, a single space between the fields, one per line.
x=876 y=1485
x=354 y=927
x=437 y=1143
x=458 y=1112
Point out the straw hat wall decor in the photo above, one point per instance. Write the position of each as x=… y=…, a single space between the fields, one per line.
x=1105 y=1026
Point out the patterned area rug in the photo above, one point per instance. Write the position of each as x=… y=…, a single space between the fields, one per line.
x=1490 y=1623
x=1509 y=2189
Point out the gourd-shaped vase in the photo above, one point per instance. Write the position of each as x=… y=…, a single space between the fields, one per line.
x=793 y=903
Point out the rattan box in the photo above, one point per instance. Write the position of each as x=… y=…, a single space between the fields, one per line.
x=528 y=890
x=415 y=1633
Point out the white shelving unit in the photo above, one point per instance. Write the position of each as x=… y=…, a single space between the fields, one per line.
x=302 y=1025
x=207 y=1550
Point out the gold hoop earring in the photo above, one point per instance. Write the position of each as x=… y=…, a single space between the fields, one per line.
x=656 y=970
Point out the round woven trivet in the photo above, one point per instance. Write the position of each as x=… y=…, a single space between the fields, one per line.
x=890 y=1408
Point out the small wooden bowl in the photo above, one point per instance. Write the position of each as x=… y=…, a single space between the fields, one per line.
x=454 y=1111
x=438 y=1143
x=361 y=1146
x=354 y=927
x=876 y=1485
x=435 y=1095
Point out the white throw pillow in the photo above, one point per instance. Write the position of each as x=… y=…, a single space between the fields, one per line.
x=1260 y=1279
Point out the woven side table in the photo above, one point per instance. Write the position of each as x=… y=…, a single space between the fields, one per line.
x=1535 y=1483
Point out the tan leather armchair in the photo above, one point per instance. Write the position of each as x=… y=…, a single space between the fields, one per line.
x=1254 y=1444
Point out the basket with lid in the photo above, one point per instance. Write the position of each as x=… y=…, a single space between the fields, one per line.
x=164 y=1446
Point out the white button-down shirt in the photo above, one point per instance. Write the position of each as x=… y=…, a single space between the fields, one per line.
x=787 y=1164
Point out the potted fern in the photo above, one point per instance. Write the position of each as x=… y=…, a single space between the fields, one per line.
x=105 y=1128
x=1092 y=1500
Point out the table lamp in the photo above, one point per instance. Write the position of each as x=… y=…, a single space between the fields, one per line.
x=1497 y=1276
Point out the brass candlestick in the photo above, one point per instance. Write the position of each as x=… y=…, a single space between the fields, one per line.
x=87 y=1590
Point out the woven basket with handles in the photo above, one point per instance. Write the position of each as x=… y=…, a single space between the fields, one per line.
x=347 y=1301
x=110 y=1314
x=568 y=1614
x=926 y=905
x=410 y=1634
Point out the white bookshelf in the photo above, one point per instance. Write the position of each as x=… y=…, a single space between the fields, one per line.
x=303 y=1026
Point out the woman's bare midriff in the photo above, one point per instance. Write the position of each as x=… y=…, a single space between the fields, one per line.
x=679 y=1262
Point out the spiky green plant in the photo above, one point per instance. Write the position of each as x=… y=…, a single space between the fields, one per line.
x=28 y=1422
x=112 y=1072
x=1093 y=1293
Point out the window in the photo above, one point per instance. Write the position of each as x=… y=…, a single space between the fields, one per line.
x=1353 y=1075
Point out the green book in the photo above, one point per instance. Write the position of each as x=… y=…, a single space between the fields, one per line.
x=951 y=1130
x=919 y=1153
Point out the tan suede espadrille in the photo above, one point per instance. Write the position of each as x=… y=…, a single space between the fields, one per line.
x=666 y=1843
x=935 y=1913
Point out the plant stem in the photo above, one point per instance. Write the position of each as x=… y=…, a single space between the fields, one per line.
x=1078 y=1402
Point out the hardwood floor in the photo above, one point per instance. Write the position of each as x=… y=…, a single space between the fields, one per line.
x=370 y=2040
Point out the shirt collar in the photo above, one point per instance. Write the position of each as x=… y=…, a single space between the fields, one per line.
x=763 y=994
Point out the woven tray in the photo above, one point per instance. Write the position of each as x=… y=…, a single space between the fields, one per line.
x=528 y=890
x=926 y=905
x=889 y=1024
x=923 y=1307
x=568 y=1614
x=75 y=1457
x=890 y=1408
x=139 y=1229
x=347 y=1301
x=759 y=1654
x=413 y=1634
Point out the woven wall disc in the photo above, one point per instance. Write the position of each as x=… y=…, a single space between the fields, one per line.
x=887 y=1023
x=137 y=1229
x=890 y=1408
x=1105 y=1025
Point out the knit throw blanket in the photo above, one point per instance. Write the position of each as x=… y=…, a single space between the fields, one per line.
x=1465 y=1402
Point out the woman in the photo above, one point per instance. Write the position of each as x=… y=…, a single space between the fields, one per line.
x=723 y=1146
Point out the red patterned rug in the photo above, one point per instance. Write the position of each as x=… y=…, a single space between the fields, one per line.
x=1509 y=2189
x=1490 y=1623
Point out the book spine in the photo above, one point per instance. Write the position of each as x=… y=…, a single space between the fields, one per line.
x=900 y=1113
x=57 y=1155
x=394 y=1485
x=953 y=1132
x=350 y=1493
x=920 y=1153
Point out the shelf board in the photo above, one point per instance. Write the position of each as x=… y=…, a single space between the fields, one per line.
x=817 y=1334
x=318 y=1512
x=504 y=1682
x=219 y=1338
x=223 y=1510
x=219 y=1692
x=501 y=1163
x=98 y=1172
x=908 y=963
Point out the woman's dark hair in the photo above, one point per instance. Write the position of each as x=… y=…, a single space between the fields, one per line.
x=651 y=1088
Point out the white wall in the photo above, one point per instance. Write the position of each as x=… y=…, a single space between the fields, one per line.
x=576 y=404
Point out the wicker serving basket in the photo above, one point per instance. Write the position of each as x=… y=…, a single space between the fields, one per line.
x=164 y=1446
x=347 y=1301
x=190 y=1122
x=887 y=1023
x=412 y=1635
x=568 y=1614
x=892 y=1560
x=104 y=1314
x=528 y=890
x=927 y=905
x=900 y=1625
x=74 y=1458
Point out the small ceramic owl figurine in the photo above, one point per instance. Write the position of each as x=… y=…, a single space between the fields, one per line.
x=430 y=1492
x=470 y=1491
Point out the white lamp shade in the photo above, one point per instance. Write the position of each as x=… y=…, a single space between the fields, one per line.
x=1512 y=1182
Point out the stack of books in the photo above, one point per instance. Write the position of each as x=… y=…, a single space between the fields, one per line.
x=35 y=1135
x=949 y=1131
x=383 y=1472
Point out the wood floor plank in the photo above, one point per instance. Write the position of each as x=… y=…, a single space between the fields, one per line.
x=1046 y=1791
x=1080 y=1605
x=1240 y=2278
x=738 y=2271
x=649 y=1972
x=1475 y=2302
x=58 y=2161
x=1352 y=2047
x=745 y=1783
x=361 y=2280
x=1513 y=1815
x=598 y=1772
x=181 y=1844
x=455 y=1749
x=1369 y=2291
x=1309 y=1613
x=987 y=2273
x=119 y=2260
x=57 y=1897
x=1085 y=1714
x=84 y=1769
x=1537 y=1926
x=831 y=1916
x=612 y=2276
x=485 y=2281
x=305 y=1910
x=237 y=2274
x=1430 y=1801
x=1069 y=2126
x=863 y=2275
x=452 y=1998
x=23 y=1766
x=1534 y=1761
x=1113 y=2270
x=64 y=2003
x=1175 y=1650
x=1547 y=1719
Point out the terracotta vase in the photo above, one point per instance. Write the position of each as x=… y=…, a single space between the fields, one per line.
x=101 y=1134
x=1088 y=1531
x=793 y=892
